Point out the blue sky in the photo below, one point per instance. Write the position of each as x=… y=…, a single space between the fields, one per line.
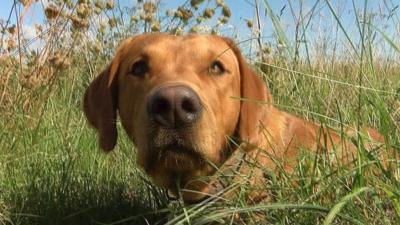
x=242 y=9
x=387 y=16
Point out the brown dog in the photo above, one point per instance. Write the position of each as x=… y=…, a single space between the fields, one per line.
x=180 y=98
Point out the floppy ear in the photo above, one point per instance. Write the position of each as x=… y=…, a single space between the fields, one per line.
x=256 y=100
x=100 y=106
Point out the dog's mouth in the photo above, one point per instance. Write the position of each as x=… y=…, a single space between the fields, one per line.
x=176 y=157
x=179 y=149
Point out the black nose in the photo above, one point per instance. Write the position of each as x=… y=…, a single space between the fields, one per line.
x=174 y=106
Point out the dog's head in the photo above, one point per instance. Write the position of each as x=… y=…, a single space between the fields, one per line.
x=179 y=100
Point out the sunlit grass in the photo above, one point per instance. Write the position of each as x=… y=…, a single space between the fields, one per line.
x=52 y=171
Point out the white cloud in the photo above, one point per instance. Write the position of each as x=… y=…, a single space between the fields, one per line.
x=29 y=34
x=28 y=31
x=45 y=3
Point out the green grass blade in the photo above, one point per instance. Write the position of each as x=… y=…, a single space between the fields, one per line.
x=388 y=39
x=394 y=196
x=280 y=33
x=342 y=27
x=336 y=209
x=260 y=208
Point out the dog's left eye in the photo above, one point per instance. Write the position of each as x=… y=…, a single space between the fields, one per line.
x=216 y=68
x=139 y=68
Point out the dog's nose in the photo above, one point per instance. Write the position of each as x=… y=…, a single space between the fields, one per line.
x=174 y=106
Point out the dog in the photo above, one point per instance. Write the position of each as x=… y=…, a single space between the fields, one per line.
x=182 y=99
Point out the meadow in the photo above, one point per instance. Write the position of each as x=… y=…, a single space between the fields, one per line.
x=320 y=68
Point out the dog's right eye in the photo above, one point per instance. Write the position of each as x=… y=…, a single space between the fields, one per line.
x=139 y=68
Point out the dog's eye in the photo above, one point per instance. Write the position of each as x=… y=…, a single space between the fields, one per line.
x=216 y=68
x=140 y=68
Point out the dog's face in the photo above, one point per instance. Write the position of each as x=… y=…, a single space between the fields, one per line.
x=177 y=97
x=175 y=102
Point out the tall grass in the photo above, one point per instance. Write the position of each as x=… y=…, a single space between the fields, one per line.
x=52 y=171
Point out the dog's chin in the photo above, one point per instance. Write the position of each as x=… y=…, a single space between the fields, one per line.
x=179 y=159
x=174 y=165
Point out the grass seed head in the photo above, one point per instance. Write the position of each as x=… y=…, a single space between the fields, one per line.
x=59 y=61
x=220 y=3
x=178 y=31
x=98 y=47
x=79 y=23
x=110 y=5
x=200 y=19
x=194 y=29
x=97 y=10
x=196 y=3
x=10 y=44
x=226 y=11
x=100 y=4
x=147 y=17
x=266 y=50
x=209 y=13
x=184 y=14
x=155 y=26
x=51 y=11
x=69 y=4
x=249 y=24
x=11 y=29
x=25 y=3
x=223 y=20
x=84 y=10
x=134 y=19
x=112 y=22
x=38 y=29
x=149 y=7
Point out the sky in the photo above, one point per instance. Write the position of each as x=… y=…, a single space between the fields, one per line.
x=242 y=9
x=386 y=16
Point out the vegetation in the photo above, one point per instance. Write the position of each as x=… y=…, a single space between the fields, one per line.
x=51 y=169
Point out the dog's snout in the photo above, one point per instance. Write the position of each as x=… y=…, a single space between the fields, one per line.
x=174 y=106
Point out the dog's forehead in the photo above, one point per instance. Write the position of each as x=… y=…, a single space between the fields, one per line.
x=189 y=45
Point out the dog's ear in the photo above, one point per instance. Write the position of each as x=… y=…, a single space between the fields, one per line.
x=101 y=103
x=255 y=100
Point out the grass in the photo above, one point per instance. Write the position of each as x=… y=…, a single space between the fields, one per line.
x=51 y=166
x=52 y=171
